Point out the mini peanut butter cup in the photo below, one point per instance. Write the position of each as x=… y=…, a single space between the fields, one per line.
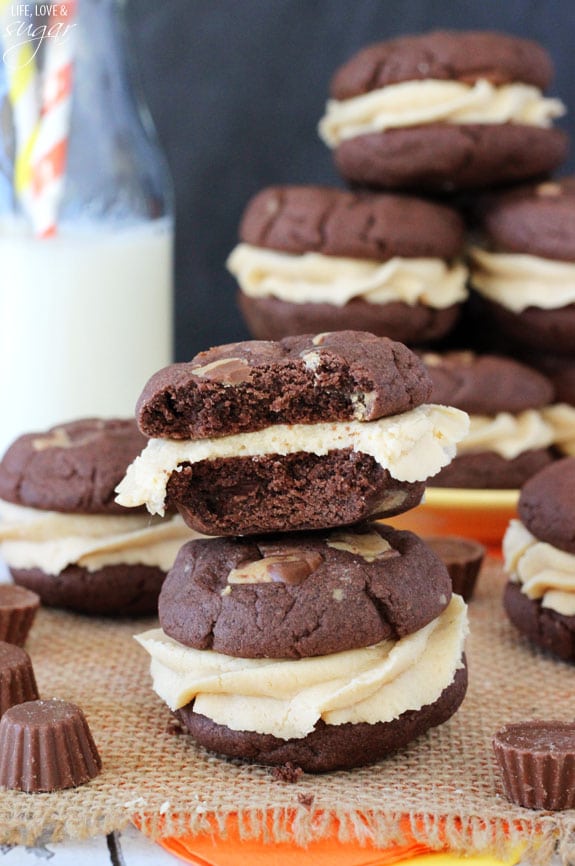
x=17 y=680
x=18 y=608
x=462 y=557
x=46 y=746
x=537 y=763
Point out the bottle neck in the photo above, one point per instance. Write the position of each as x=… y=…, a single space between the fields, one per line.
x=115 y=166
x=82 y=105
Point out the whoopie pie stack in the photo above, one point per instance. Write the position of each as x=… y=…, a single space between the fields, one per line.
x=305 y=632
x=451 y=115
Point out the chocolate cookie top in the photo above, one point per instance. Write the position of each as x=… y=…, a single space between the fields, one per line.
x=444 y=55
x=546 y=506
x=241 y=387
x=486 y=384
x=293 y=596
x=74 y=467
x=538 y=220
x=300 y=219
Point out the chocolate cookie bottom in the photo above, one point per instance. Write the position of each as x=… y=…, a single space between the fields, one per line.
x=545 y=627
x=275 y=493
x=486 y=469
x=272 y=319
x=447 y=157
x=551 y=330
x=328 y=747
x=115 y=590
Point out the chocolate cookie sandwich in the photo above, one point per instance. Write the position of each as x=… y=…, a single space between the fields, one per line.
x=444 y=111
x=539 y=554
x=62 y=534
x=508 y=439
x=314 y=259
x=561 y=415
x=328 y=649
x=305 y=433
x=525 y=269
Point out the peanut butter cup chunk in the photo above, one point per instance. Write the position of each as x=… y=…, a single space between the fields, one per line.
x=18 y=608
x=46 y=746
x=17 y=680
x=462 y=557
x=537 y=763
x=242 y=387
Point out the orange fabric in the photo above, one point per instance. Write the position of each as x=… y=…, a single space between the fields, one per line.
x=210 y=850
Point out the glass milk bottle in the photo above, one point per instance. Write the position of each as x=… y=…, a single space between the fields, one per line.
x=86 y=221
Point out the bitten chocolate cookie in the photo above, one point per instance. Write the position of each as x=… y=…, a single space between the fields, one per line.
x=539 y=553
x=444 y=111
x=509 y=439
x=307 y=433
x=243 y=387
x=62 y=534
x=290 y=596
x=525 y=270
x=313 y=259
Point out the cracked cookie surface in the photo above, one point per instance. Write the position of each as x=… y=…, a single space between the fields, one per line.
x=72 y=468
x=302 y=595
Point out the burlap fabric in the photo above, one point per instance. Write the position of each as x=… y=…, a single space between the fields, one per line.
x=446 y=782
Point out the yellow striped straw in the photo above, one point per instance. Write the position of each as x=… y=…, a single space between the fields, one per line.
x=21 y=73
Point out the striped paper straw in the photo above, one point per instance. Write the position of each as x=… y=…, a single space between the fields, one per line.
x=48 y=156
x=23 y=89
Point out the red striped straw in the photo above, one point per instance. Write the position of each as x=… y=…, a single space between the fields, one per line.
x=48 y=161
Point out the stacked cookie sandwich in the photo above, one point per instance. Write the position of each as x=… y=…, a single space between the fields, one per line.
x=61 y=533
x=305 y=632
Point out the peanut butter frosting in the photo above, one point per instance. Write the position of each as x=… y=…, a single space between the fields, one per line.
x=507 y=434
x=561 y=418
x=517 y=280
x=320 y=279
x=287 y=697
x=412 y=446
x=544 y=571
x=416 y=103
x=51 y=541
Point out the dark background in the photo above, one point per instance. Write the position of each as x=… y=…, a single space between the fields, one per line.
x=236 y=88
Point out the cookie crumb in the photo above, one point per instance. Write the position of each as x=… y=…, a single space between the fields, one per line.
x=288 y=772
x=305 y=799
